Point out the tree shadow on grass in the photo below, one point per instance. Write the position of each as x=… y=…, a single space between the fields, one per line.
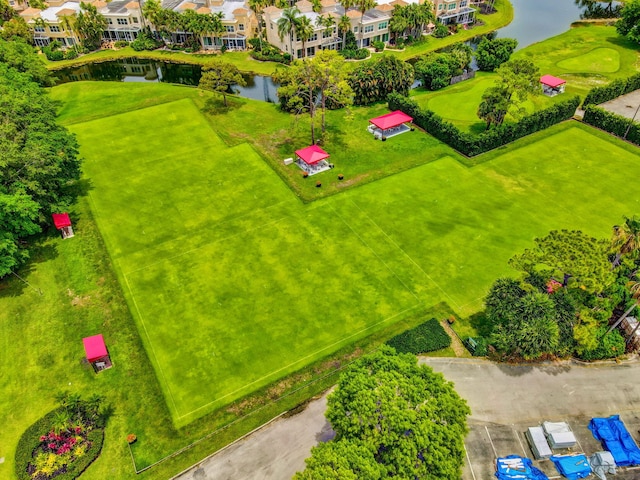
x=215 y=105
x=481 y=324
x=17 y=282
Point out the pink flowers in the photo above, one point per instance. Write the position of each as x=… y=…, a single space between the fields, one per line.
x=61 y=444
x=553 y=286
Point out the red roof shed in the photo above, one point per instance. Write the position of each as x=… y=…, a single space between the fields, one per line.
x=312 y=155
x=390 y=120
x=61 y=220
x=551 y=81
x=94 y=347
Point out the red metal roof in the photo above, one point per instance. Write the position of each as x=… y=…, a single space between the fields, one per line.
x=312 y=155
x=390 y=120
x=61 y=220
x=552 y=81
x=94 y=347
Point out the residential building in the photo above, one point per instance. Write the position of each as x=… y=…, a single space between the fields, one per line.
x=454 y=11
x=50 y=24
x=375 y=27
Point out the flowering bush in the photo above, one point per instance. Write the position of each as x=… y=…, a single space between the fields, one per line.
x=553 y=286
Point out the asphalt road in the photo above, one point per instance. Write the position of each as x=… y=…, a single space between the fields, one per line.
x=504 y=399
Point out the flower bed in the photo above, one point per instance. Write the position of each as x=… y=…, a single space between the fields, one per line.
x=60 y=445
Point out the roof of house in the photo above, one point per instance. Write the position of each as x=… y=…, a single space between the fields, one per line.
x=385 y=7
x=391 y=120
x=328 y=3
x=132 y=5
x=61 y=220
x=188 y=6
x=203 y=10
x=30 y=11
x=312 y=155
x=552 y=81
x=51 y=14
x=65 y=12
x=94 y=347
x=240 y=11
x=353 y=14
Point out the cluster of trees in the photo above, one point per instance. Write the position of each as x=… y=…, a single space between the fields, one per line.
x=375 y=79
x=436 y=69
x=599 y=8
x=320 y=82
x=410 y=20
x=393 y=418
x=573 y=286
x=38 y=158
x=12 y=24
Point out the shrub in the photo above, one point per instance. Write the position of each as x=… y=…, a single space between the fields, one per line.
x=610 y=345
x=71 y=54
x=53 y=52
x=145 y=41
x=427 y=337
x=268 y=52
x=612 y=123
x=441 y=31
x=614 y=89
x=120 y=43
x=400 y=42
x=379 y=46
x=472 y=145
x=359 y=54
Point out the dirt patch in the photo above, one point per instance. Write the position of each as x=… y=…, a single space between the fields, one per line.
x=457 y=346
x=77 y=300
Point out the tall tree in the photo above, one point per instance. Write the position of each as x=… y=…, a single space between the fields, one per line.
x=219 y=76
x=258 y=6
x=494 y=106
x=89 y=26
x=22 y=57
x=490 y=54
x=578 y=259
x=393 y=418
x=375 y=79
x=68 y=23
x=344 y=25
x=332 y=82
x=362 y=6
x=626 y=238
x=16 y=28
x=287 y=26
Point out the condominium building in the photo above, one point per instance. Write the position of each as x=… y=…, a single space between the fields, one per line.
x=454 y=11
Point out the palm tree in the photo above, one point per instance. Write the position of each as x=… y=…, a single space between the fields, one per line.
x=327 y=22
x=626 y=238
x=68 y=24
x=258 y=7
x=287 y=24
x=362 y=6
x=316 y=6
x=304 y=31
x=344 y=25
x=634 y=288
x=61 y=421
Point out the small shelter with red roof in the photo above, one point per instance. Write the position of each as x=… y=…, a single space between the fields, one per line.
x=551 y=85
x=313 y=160
x=63 y=223
x=391 y=124
x=96 y=352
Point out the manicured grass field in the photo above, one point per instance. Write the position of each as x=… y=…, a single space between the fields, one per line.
x=235 y=283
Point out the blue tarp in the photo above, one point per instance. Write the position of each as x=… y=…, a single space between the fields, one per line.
x=615 y=438
x=572 y=466
x=514 y=467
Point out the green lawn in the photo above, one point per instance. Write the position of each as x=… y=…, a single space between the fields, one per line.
x=233 y=282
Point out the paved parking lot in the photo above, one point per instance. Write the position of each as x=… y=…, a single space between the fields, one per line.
x=506 y=400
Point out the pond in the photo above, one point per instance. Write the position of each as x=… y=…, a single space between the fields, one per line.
x=145 y=70
x=537 y=20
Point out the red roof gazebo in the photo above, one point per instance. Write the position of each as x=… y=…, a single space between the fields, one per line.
x=63 y=223
x=313 y=159
x=96 y=352
x=552 y=85
x=389 y=124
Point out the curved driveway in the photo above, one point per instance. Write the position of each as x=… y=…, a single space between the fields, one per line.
x=498 y=394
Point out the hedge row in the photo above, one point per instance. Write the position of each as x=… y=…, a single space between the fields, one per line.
x=612 y=123
x=472 y=145
x=30 y=440
x=613 y=90
x=427 y=337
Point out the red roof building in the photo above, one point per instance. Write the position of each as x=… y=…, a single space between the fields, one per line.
x=552 y=85
x=390 y=120
x=96 y=352
x=61 y=220
x=312 y=155
x=63 y=223
x=551 y=81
